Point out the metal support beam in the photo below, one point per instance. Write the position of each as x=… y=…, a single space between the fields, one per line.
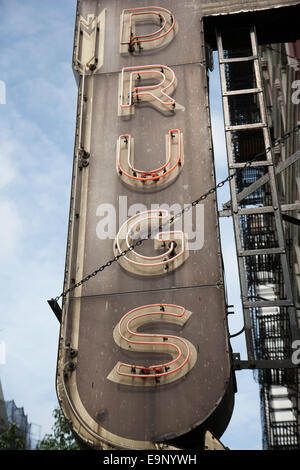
x=236 y=159
x=291 y=220
x=268 y=303
x=260 y=210
x=239 y=364
x=264 y=179
x=237 y=59
x=56 y=309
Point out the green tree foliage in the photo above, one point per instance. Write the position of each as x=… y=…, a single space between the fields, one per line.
x=62 y=437
x=11 y=439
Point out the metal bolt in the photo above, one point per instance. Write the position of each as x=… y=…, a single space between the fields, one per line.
x=73 y=353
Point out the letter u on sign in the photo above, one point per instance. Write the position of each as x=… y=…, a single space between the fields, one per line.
x=150 y=179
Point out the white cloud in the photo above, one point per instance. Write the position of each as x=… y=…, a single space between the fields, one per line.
x=11 y=230
x=218 y=134
x=36 y=152
x=32 y=246
x=244 y=430
x=8 y=169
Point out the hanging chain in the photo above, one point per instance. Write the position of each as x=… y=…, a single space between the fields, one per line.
x=176 y=216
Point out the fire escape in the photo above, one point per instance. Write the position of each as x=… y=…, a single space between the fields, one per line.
x=263 y=250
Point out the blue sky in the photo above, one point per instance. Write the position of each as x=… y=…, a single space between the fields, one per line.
x=244 y=429
x=37 y=128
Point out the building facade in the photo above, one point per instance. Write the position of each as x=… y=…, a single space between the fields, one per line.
x=281 y=72
x=3 y=414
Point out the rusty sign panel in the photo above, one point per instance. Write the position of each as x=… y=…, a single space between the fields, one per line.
x=275 y=21
x=144 y=357
x=218 y=7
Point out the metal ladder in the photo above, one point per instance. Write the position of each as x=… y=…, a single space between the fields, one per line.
x=274 y=209
x=236 y=211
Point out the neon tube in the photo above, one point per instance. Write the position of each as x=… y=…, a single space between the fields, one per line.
x=152 y=174
x=140 y=91
x=157 y=368
x=131 y=40
x=146 y=216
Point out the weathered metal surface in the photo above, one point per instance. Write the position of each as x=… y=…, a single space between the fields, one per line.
x=184 y=48
x=217 y=7
x=104 y=412
x=106 y=187
x=152 y=413
x=275 y=21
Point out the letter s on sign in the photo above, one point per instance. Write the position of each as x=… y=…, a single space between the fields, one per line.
x=183 y=353
x=296 y=94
